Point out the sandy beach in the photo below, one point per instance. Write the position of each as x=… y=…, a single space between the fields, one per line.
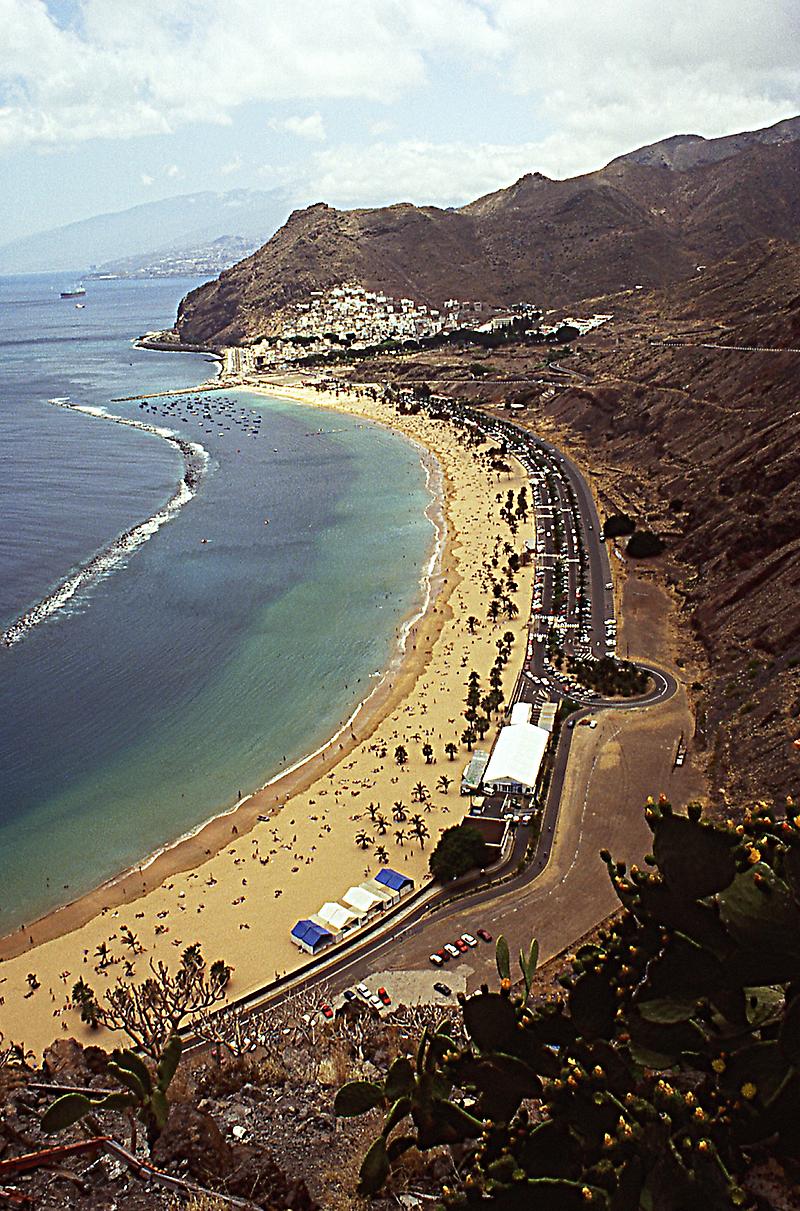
x=239 y=884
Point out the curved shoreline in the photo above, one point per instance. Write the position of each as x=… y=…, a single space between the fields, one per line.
x=195 y=846
x=195 y=461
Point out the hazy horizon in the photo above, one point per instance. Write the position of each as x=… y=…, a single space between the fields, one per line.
x=104 y=107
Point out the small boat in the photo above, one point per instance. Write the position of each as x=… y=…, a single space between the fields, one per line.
x=204 y=540
x=79 y=306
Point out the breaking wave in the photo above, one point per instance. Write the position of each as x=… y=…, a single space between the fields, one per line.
x=195 y=460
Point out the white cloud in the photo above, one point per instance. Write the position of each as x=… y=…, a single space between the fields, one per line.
x=172 y=171
x=123 y=69
x=147 y=179
x=440 y=174
x=310 y=127
x=612 y=75
x=231 y=166
x=595 y=78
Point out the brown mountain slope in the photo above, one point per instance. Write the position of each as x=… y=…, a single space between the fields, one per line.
x=542 y=240
x=701 y=444
x=687 y=151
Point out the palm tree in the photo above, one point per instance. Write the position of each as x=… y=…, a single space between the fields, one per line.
x=468 y=737
x=382 y=824
x=420 y=831
x=451 y=750
x=130 y=939
x=400 y=836
x=400 y=755
x=381 y=854
x=419 y=793
x=363 y=840
x=102 y=954
x=427 y=752
x=494 y=610
x=482 y=725
x=511 y=608
x=399 y=812
x=444 y=783
x=372 y=811
x=508 y=639
x=472 y=622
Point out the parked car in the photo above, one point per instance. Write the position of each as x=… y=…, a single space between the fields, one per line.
x=443 y=955
x=362 y=991
x=383 y=994
x=375 y=1000
x=443 y=989
x=451 y=950
x=326 y=1010
x=348 y=994
x=484 y=935
x=436 y=959
x=461 y=946
x=468 y=938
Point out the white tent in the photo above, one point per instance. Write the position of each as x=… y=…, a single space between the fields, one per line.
x=383 y=893
x=520 y=713
x=516 y=758
x=336 y=915
x=362 y=901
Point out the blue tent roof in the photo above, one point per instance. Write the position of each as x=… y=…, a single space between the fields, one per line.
x=390 y=878
x=310 y=933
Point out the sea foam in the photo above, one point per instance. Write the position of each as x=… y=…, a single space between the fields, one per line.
x=195 y=461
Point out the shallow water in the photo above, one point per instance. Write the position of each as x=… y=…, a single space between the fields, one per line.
x=193 y=670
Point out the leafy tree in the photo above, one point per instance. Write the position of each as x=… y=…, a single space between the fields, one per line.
x=644 y=544
x=468 y=737
x=618 y=524
x=472 y=623
x=151 y=1012
x=400 y=755
x=451 y=749
x=459 y=849
x=427 y=752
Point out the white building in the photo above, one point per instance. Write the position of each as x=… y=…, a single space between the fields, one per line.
x=516 y=759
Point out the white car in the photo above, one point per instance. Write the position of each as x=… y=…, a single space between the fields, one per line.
x=436 y=960
x=452 y=950
x=468 y=938
x=362 y=991
x=375 y=1001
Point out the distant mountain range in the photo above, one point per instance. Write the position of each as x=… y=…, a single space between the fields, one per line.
x=648 y=218
x=154 y=232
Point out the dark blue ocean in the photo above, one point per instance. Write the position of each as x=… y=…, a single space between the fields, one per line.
x=218 y=651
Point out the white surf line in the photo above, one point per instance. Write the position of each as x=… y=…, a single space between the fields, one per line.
x=195 y=460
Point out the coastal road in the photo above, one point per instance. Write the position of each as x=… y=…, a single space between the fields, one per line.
x=590 y=768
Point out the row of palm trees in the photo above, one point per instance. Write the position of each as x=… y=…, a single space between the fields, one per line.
x=418 y=831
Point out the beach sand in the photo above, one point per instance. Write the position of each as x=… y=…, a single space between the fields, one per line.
x=239 y=884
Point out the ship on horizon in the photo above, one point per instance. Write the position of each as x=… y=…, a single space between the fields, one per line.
x=76 y=292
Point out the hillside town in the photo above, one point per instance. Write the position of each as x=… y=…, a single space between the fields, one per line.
x=350 y=317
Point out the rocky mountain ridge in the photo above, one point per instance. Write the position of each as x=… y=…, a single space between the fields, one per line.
x=629 y=224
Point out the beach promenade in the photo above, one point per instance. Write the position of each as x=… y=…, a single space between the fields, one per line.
x=242 y=881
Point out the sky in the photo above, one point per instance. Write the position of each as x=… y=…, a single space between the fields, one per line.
x=105 y=104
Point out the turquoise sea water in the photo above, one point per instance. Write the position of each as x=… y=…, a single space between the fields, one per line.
x=191 y=670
